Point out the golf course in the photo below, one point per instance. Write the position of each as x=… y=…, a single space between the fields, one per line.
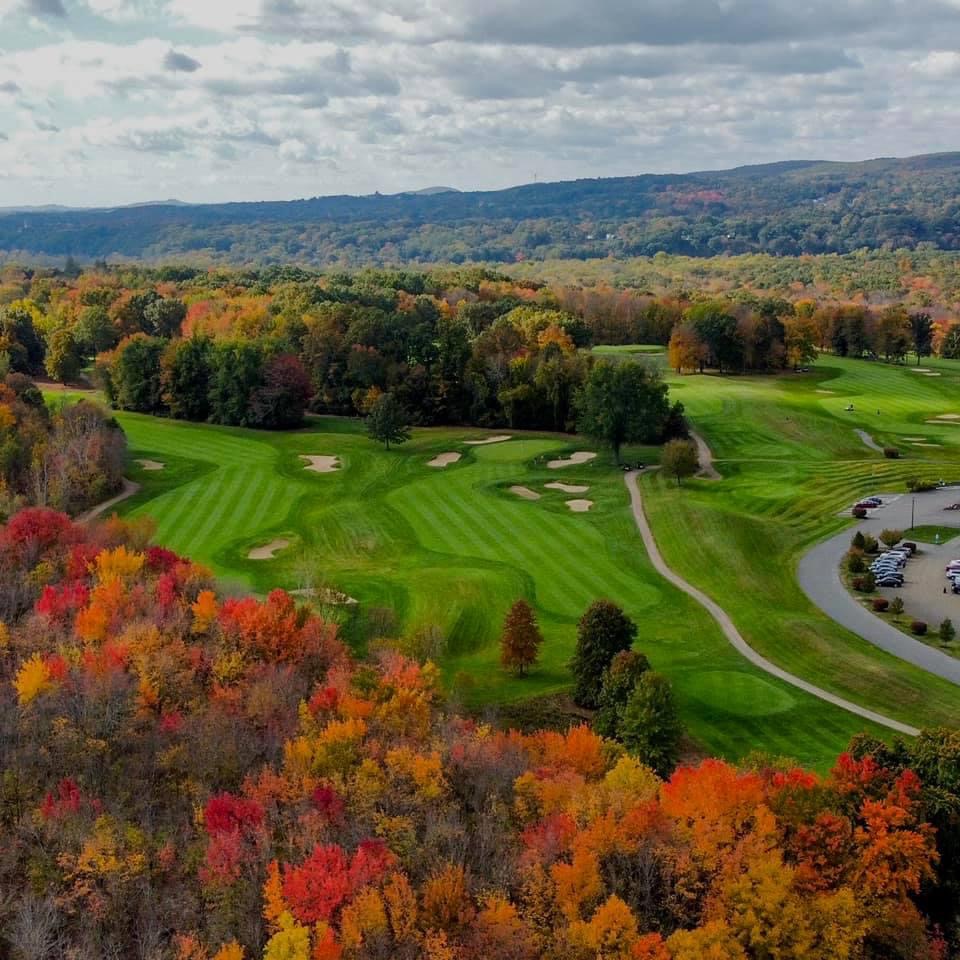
x=438 y=552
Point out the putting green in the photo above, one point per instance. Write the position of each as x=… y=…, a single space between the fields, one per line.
x=739 y=693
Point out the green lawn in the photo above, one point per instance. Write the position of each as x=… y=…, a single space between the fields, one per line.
x=448 y=550
x=932 y=533
x=791 y=462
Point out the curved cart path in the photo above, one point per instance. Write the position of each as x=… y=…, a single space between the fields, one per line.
x=729 y=629
x=705 y=456
x=868 y=441
x=129 y=489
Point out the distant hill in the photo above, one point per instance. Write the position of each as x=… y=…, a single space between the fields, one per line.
x=794 y=207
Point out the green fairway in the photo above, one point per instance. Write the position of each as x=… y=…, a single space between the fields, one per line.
x=447 y=551
x=791 y=462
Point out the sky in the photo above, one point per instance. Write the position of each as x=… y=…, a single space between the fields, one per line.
x=105 y=102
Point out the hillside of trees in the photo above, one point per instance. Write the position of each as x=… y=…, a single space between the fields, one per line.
x=189 y=776
x=801 y=207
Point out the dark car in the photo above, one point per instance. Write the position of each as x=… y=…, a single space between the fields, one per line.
x=890 y=580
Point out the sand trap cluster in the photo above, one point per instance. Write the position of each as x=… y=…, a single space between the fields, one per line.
x=321 y=464
x=581 y=456
x=480 y=443
x=443 y=459
x=269 y=550
x=579 y=506
x=566 y=487
x=151 y=464
x=525 y=492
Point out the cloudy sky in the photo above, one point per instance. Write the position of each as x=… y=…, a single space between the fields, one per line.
x=116 y=101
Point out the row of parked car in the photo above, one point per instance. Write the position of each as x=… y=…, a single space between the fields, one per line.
x=867 y=503
x=952 y=570
x=887 y=569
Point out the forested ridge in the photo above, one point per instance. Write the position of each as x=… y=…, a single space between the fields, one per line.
x=798 y=207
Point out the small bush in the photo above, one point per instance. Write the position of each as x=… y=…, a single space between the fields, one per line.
x=916 y=485
x=855 y=562
x=860 y=512
x=891 y=453
x=857 y=583
x=896 y=606
x=918 y=627
x=880 y=604
x=870 y=544
x=865 y=583
x=891 y=537
x=947 y=631
x=859 y=541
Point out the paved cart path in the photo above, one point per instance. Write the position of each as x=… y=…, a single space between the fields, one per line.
x=729 y=629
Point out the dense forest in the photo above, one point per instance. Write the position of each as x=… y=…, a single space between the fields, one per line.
x=188 y=776
x=792 y=208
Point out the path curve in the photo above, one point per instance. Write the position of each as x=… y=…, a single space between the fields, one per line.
x=705 y=456
x=868 y=441
x=128 y=490
x=729 y=629
x=819 y=576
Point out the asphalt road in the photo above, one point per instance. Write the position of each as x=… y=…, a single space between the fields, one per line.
x=819 y=575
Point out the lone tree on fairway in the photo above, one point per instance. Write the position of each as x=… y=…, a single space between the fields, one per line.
x=679 y=459
x=891 y=537
x=603 y=632
x=388 y=421
x=651 y=727
x=622 y=403
x=521 y=638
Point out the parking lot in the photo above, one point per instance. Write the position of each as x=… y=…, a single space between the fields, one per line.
x=926 y=592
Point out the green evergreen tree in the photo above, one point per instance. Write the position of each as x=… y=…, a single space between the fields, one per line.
x=651 y=727
x=603 y=632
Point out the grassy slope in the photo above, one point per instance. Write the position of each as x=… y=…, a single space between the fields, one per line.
x=791 y=461
x=452 y=548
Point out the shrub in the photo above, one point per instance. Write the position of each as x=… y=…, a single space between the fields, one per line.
x=860 y=512
x=859 y=541
x=918 y=627
x=916 y=485
x=896 y=606
x=946 y=631
x=870 y=544
x=891 y=453
x=891 y=537
x=880 y=604
x=855 y=562
x=869 y=583
x=857 y=583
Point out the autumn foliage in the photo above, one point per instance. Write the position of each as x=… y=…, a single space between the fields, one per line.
x=220 y=778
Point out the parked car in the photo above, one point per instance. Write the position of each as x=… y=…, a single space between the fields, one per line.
x=874 y=500
x=890 y=580
x=865 y=505
x=909 y=545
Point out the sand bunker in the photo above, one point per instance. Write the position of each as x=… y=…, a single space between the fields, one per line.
x=579 y=506
x=913 y=439
x=920 y=369
x=443 y=459
x=525 y=492
x=151 y=464
x=944 y=423
x=582 y=456
x=480 y=443
x=947 y=416
x=321 y=464
x=268 y=551
x=915 y=444
x=824 y=391
x=566 y=487
x=931 y=373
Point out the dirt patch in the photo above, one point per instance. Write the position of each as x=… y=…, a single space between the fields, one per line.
x=581 y=456
x=150 y=464
x=269 y=550
x=579 y=506
x=444 y=459
x=481 y=443
x=325 y=595
x=322 y=464
x=567 y=487
x=525 y=493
